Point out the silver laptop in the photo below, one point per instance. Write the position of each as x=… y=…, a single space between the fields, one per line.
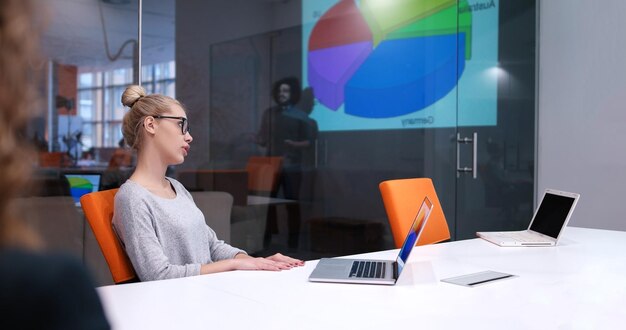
x=373 y=271
x=551 y=217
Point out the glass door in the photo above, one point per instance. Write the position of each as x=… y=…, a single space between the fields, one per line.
x=384 y=75
x=496 y=122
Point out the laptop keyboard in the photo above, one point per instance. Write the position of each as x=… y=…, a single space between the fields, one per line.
x=368 y=269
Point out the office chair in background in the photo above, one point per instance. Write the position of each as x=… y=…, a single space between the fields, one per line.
x=51 y=159
x=56 y=219
x=263 y=179
x=98 y=208
x=402 y=198
x=264 y=175
x=216 y=206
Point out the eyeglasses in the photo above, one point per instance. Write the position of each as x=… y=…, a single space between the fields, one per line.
x=184 y=124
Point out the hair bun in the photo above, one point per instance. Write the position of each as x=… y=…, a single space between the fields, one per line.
x=132 y=94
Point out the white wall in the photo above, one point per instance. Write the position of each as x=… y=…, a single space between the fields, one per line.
x=582 y=107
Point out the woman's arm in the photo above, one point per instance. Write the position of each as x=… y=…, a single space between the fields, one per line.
x=298 y=144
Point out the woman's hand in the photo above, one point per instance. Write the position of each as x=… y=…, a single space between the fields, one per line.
x=243 y=261
x=286 y=260
x=275 y=262
x=259 y=264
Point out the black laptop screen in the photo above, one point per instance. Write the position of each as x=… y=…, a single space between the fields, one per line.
x=552 y=214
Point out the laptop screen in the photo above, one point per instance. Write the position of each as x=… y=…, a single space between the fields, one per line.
x=552 y=214
x=82 y=183
x=416 y=230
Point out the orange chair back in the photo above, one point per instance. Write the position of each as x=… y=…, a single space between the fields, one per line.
x=402 y=199
x=50 y=159
x=98 y=208
x=263 y=173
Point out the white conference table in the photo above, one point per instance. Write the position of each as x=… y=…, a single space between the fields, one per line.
x=580 y=284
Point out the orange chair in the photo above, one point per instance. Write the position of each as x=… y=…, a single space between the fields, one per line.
x=263 y=179
x=98 y=208
x=402 y=199
x=52 y=159
x=263 y=174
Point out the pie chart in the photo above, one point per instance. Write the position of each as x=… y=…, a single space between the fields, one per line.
x=382 y=59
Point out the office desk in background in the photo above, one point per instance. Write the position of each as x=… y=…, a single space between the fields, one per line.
x=579 y=284
x=264 y=200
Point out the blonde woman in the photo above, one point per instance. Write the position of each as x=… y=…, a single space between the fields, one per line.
x=162 y=230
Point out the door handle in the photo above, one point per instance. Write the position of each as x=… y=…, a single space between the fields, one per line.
x=474 y=141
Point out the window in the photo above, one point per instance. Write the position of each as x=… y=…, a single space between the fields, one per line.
x=99 y=95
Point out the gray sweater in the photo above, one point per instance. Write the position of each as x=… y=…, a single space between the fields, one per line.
x=165 y=238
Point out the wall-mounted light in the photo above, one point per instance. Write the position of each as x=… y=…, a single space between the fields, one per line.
x=496 y=72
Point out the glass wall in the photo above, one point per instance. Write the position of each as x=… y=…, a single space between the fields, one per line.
x=386 y=92
x=300 y=108
x=92 y=59
x=90 y=50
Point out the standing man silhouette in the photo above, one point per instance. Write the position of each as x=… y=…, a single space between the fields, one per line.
x=286 y=132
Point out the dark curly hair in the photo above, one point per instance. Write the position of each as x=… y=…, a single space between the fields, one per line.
x=294 y=85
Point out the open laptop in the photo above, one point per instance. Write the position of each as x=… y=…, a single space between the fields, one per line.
x=367 y=271
x=545 y=228
x=82 y=183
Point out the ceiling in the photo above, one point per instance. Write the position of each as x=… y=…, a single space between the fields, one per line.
x=75 y=32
